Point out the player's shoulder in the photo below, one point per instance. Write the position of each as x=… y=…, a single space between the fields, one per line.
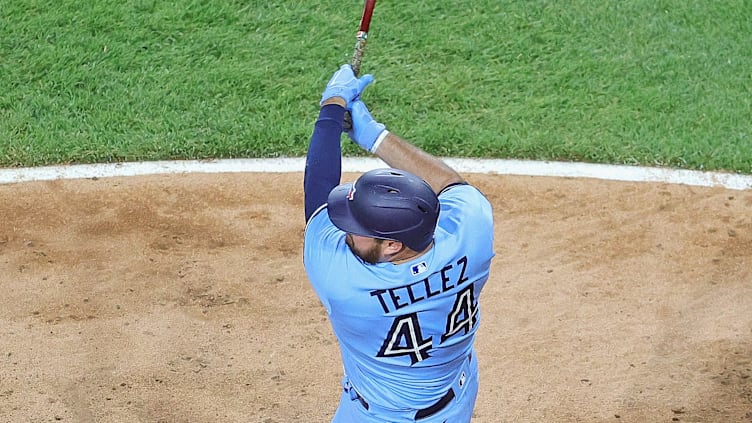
x=317 y=214
x=461 y=191
x=319 y=224
x=464 y=202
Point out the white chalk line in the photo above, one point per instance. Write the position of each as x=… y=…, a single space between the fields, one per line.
x=354 y=164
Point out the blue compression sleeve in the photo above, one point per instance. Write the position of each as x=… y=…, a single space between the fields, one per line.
x=323 y=167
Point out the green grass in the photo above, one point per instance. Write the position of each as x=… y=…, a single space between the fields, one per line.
x=647 y=82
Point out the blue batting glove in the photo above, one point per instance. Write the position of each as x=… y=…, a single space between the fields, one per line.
x=366 y=132
x=345 y=84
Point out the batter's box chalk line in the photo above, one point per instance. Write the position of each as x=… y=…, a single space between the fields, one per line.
x=359 y=164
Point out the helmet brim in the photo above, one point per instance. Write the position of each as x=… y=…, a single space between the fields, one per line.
x=340 y=213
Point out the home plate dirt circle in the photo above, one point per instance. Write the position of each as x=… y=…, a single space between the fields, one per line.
x=182 y=298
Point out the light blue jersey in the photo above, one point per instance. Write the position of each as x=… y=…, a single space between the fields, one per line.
x=405 y=330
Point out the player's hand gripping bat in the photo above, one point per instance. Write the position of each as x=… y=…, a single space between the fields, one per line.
x=360 y=44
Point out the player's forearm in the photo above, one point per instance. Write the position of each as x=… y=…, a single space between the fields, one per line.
x=323 y=166
x=400 y=154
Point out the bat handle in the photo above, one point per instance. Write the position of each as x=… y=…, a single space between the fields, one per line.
x=360 y=46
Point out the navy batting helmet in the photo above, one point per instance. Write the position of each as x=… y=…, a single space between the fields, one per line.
x=388 y=204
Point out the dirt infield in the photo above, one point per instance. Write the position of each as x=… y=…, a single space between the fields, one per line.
x=182 y=298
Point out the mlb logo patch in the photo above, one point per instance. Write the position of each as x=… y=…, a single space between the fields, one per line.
x=419 y=268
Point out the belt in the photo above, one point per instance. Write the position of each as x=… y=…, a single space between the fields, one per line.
x=438 y=406
x=425 y=412
x=428 y=411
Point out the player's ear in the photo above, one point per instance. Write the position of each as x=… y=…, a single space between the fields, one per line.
x=392 y=247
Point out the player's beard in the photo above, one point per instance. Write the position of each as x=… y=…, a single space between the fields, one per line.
x=372 y=255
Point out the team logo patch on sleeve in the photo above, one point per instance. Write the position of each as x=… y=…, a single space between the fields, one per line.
x=419 y=268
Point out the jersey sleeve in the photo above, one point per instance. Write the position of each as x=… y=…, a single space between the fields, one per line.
x=322 y=240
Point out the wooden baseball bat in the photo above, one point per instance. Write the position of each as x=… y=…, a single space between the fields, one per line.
x=360 y=44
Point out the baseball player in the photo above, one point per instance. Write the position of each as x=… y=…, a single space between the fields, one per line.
x=398 y=258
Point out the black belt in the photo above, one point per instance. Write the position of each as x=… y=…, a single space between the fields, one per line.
x=426 y=412
x=440 y=404
x=430 y=410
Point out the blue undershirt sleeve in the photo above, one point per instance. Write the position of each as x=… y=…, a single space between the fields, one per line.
x=323 y=167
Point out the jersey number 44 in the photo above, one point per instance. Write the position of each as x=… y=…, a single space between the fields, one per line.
x=406 y=337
